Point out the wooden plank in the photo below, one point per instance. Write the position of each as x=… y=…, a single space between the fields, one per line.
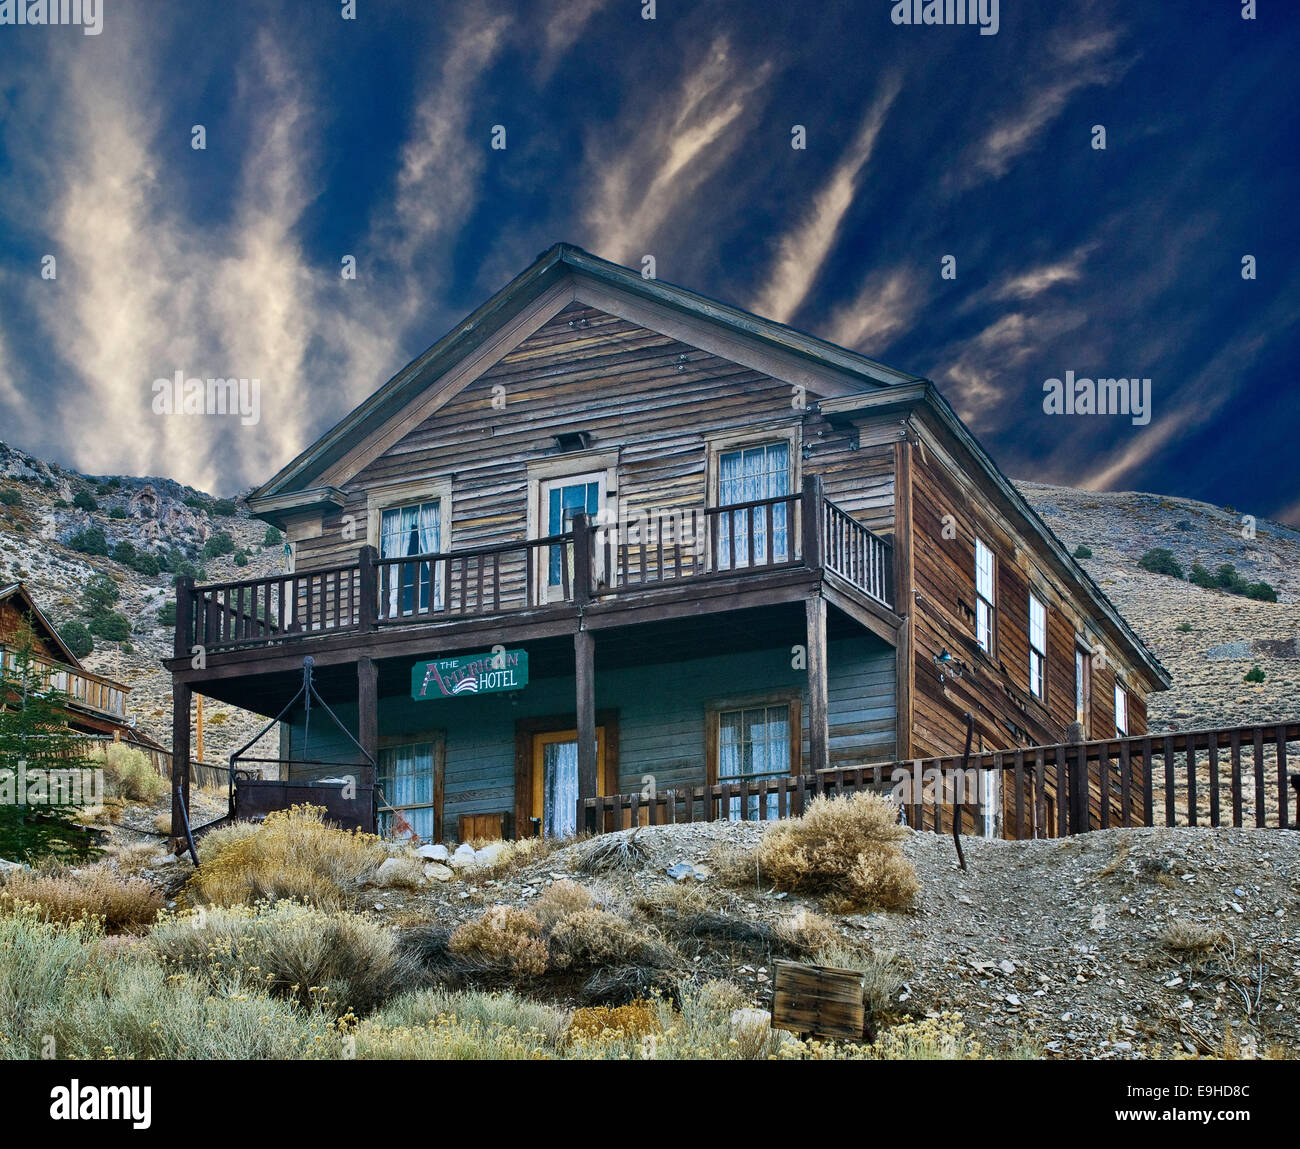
x=1283 y=806
x=818 y=705
x=1234 y=752
x=1191 y=781
x=1125 y=783
x=819 y=1001
x=1260 y=794
x=1214 y=780
x=1171 y=815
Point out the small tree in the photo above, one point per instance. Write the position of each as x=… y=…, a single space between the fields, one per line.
x=1160 y=560
x=114 y=627
x=36 y=820
x=1254 y=674
x=1082 y=552
x=272 y=537
x=76 y=637
x=85 y=500
x=91 y=541
x=99 y=596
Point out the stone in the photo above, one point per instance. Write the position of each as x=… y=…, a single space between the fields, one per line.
x=437 y=872
x=434 y=853
x=403 y=871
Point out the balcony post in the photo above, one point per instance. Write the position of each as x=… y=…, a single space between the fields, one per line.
x=181 y=695
x=184 y=617
x=582 y=543
x=368 y=712
x=818 y=720
x=811 y=522
x=368 y=589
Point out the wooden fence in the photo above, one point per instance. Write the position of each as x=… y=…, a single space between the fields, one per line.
x=1237 y=776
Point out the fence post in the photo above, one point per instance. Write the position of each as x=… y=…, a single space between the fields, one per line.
x=184 y=616
x=1076 y=765
x=582 y=540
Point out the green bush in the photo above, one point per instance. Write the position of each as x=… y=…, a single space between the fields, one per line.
x=167 y=613
x=117 y=513
x=225 y=507
x=1082 y=552
x=1184 y=628
x=9 y=497
x=144 y=563
x=123 y=553
x=85 y=500
x=61 y=504
x=1200 y=576
x=219 y=544
x=1160 y=560
x=77 y=638
x=91 y=541
x=1254 y=674
x=1261 y=591
x=272 y=538
x=114 y=627
x=241 y=558
x=99 y=596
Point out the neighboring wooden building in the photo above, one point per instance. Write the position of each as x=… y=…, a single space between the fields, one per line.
x=96 y=705
x=725 y=548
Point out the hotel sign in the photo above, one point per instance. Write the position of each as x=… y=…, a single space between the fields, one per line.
x=489 y=673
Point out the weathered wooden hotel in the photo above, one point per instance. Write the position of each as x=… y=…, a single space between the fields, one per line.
x=611 y=537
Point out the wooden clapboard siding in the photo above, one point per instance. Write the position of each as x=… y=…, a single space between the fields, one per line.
x=662 y=719
x=653 y=398
x=949 y=509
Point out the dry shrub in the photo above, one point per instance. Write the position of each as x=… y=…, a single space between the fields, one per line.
x=295 y=855
x=1189 y=937
x=316 y=958
x=621 y=851
x=65 y=895
x=593 y=939
x=560 y=900
x=214 y=841
x=504 y=939
x=883 y=973
x=131 y=859
x=128 y=773
x=162 y=823
x=844 y=850
x=515 y=854
x=595 y=1023
x=806 y=932
x=406 y=874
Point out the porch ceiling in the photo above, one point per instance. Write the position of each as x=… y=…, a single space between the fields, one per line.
x=645 y=644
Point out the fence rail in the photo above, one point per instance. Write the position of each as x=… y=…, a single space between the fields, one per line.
x=1232 y=776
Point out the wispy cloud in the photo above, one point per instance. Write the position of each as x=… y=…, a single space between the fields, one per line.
x=1078 y=61
x=643 y=181
x=883 y=308
x=802 y=250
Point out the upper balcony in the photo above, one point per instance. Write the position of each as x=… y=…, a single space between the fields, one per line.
x=592 y=568
x=86 y=691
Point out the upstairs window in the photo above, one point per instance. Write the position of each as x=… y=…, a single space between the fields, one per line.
x=748 y=475
x=984 y=600
x=1082 y=687
x=1121 y=710
x=415 y=529
x=1037 y=648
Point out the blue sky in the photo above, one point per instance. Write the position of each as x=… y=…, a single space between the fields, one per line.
x=371 y=137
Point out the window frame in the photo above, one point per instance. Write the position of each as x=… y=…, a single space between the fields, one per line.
x=437 y=740
x=714 y=709
x=785 y=432
x=1122 y=692
x=989 y=601
x=1082 y=685
x=1037 y=654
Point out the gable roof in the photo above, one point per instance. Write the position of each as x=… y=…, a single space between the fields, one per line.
x=868 y=383
x=28 y=606
x=301 y=476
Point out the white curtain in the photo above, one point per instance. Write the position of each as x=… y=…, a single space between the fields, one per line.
x=429 y=534
x=413 y=530
x=744 y=477
x=753 y=743
x=560 y=789
x=406 y=782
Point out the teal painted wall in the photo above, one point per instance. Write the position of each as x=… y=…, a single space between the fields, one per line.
x=661 y=713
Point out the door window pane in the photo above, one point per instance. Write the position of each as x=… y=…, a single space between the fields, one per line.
x=405 y=781
x=559 y=789
x=564 y=502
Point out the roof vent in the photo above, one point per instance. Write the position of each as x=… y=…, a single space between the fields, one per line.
x=572 y=440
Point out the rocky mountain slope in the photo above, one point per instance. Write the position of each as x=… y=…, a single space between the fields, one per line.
x=1208 y=639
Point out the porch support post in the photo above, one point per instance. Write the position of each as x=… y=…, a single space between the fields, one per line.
x=181 y=695
x=584 y=652
x=368 y=719
x=810 y=524
x=902 y=600
x=818 y=722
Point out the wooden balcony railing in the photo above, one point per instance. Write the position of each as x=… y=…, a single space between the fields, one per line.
x=593 y=560
x=91 y=691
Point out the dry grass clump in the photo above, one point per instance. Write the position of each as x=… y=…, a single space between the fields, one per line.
x=594 y=939
x=941 y=1038
x=560 y=900
x=806 y=932
x=883 y=972
x=295 y=856
x=492 y=1011
x=329 y=960
x=844 y=850
x=621 y=851
x=605 y=1022
x=505 y=939
x=133 y=858
x=513 y=854
x=1188 y=937
x=128 y=773
x=66 y=895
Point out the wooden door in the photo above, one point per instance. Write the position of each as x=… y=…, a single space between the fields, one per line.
x=555 y=779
